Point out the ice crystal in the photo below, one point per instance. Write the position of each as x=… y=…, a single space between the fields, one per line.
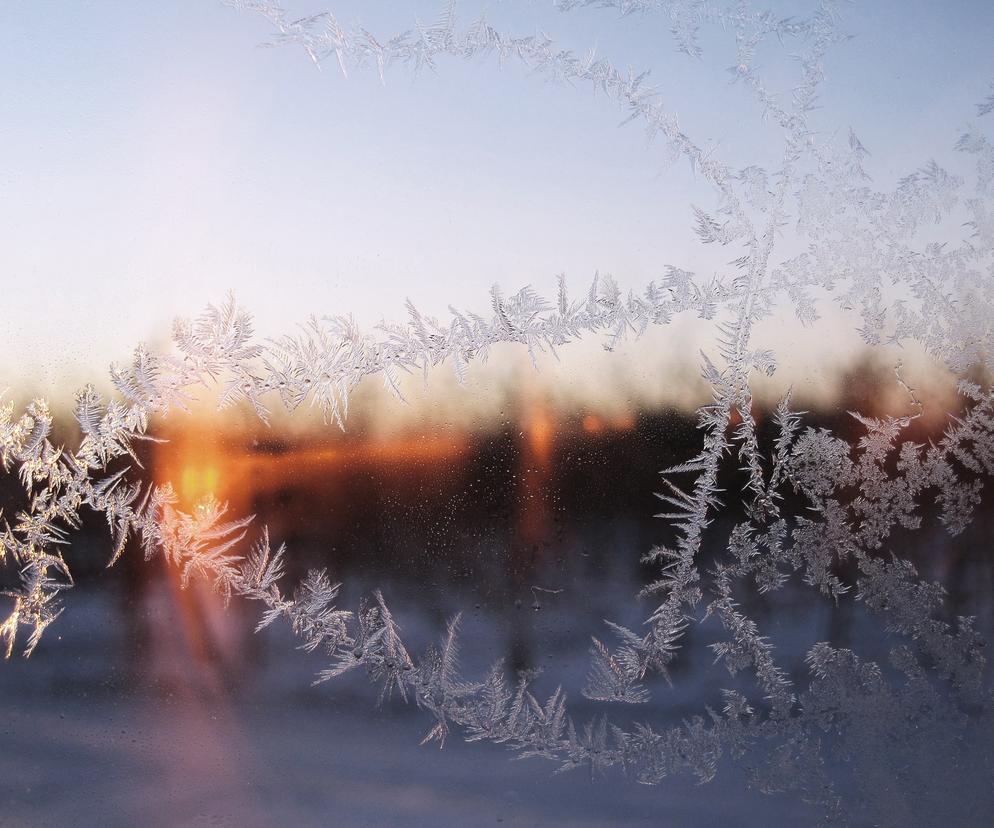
x=811 y=502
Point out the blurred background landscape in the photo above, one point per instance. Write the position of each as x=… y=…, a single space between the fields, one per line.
x=147 y=698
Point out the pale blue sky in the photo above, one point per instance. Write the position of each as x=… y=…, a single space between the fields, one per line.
x=153 y=157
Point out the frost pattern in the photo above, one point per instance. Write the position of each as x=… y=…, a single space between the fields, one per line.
x=846 y=502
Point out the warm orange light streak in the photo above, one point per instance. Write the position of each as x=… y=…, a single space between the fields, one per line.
x=540 y=430
x=592 y=424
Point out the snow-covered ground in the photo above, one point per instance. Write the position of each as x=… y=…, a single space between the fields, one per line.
x=146 y=704
x=92 y=736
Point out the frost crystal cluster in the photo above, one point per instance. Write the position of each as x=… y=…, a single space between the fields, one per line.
x=814 y=503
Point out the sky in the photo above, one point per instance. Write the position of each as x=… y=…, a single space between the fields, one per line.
x=155 y=156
